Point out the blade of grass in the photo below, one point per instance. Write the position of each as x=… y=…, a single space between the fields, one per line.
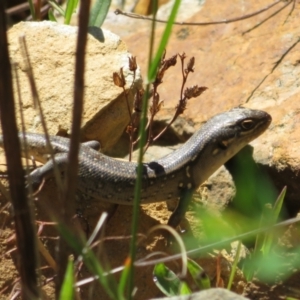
x=98 y=12
x=90 y=260
x=123 y=279
x=57 y=7
x=199 y=276
x=234 y=266
x=266 y=247
x=32 y=10
x=142 y=134
x=197 y=251
x=67 y=289
x=167 y=281
x=138 y=184
x=51 y=15
x=71 y=6
x=184 y=289
x=137 y=192
x=163 y=41
x=278 y=204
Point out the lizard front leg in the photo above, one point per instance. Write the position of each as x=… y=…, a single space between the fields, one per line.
x=179 y=212
x=36 y=177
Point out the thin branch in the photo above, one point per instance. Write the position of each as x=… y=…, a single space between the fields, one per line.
x=23 y=215
x=72 y=168
x=37 y=104
x=268 y=18
x=226 y=21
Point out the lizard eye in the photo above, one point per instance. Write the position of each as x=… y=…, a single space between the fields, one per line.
x=247 y=124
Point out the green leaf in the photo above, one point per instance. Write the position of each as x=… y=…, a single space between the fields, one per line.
x=67 y=290
x=163 y=42
x=166 y=280
x=198 y=274
x=98 y=12
x=71 y=6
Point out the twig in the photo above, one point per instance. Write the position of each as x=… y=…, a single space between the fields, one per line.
x=37 y=105
x=164 y=65
x=72 y=168
x=23 y=216
x=192 y=92
x=120 y=81
x=226 y=21
x=269 y=17
x=19 y=8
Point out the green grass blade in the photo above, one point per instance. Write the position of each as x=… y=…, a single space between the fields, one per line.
x=74 y=242
x=166 y=280
x=71 y=6
x=142 y=134
x=278 y=204
x=90 y=260
x=98 y=12
x=198 y=274
x=234 y=266
x=57 y=7
x=137 y=191
x=138 y=183
x=184 y=289
x=32 y=10
x=249 y=269
x=163 y=42
x=123 y=280
x=107 y=281
x=267 y=244
x=67 y=289
x=51 y=15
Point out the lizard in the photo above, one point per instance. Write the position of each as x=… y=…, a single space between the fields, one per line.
x=174 y=176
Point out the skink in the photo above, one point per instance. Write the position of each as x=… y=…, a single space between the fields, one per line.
x=174 y=176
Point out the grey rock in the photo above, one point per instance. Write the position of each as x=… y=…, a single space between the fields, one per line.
x=211 y=294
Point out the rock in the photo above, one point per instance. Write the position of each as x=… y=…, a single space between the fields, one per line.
x=125 y=26
x=240 y=63
x=211 y=294
x=253 y=62
x=52 y=53
x=219 y=190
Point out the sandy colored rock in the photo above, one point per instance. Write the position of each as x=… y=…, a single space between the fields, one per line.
x=52 y=54
x=255 y=63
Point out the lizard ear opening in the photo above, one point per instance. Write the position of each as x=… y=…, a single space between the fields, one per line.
x=223 y=144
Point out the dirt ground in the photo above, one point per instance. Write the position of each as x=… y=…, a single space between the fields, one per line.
x=114 y=250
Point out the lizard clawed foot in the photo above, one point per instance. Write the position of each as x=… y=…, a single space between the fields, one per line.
x=34 y=183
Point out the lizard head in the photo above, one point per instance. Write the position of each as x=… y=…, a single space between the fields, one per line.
x=223 y=136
